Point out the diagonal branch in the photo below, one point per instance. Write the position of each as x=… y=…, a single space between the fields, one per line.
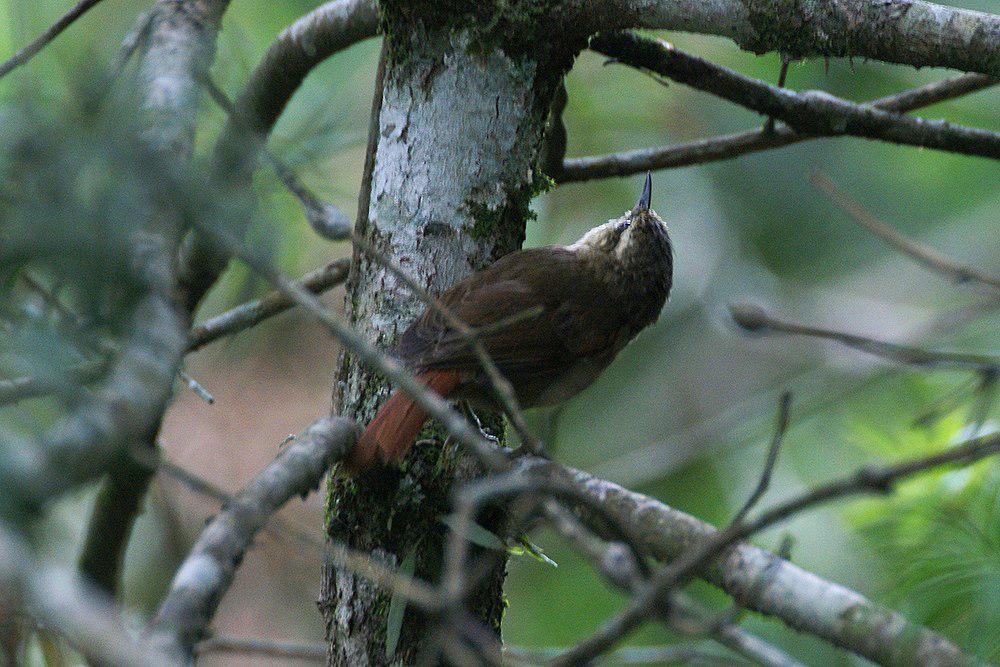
x=246 y=315
x=26 y=53
x=894 y=636
x=810 y=112
x=726 y=147
x=761 y=581
x=961 y=273
x=756 y=320
x=208 y=570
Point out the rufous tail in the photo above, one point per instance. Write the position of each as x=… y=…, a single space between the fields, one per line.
x=396 y=425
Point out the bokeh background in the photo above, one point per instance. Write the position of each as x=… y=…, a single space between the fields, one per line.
x=685 y=413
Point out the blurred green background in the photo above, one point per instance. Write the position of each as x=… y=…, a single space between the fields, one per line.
x=685 y=413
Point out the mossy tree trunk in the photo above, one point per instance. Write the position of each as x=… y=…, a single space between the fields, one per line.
x=465 y=100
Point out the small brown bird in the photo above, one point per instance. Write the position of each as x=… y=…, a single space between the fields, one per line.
x=592 y=297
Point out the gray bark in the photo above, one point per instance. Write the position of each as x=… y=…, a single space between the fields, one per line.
x=459 y=133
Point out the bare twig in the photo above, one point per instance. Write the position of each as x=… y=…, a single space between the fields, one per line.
x=244 y=316
x=730 y=146
x=782 y=75
x=208 y=570
x=66 y=20
x=961 y=273
x=809 y=112
x=756 y=320
x=865 y=480
x=772 y=458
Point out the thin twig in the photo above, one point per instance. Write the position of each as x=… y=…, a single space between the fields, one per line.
x=866 y=480
x=782 y=75
x=326 y=219
x=961 y=273
x=756 y=320
x=772 y=458
x=66 y=20
x=246 y=315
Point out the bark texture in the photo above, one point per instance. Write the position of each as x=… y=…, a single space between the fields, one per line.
x=463 y=112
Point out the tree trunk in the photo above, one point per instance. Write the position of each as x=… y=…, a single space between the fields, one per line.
x=461 y=123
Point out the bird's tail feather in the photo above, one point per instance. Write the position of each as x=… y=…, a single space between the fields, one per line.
x=391 y=434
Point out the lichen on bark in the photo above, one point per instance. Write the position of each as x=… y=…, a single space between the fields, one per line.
x=465 y=99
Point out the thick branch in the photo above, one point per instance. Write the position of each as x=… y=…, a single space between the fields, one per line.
x=208 y=570
x=887 y=638
x=301 y=46
x=181 y=43
x=179 y=36
x=909 y=32
x=766 y=583
x=810 y=112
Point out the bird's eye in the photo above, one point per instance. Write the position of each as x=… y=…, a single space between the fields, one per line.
x=622 y=226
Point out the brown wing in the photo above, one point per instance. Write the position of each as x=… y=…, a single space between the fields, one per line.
x=563 y=332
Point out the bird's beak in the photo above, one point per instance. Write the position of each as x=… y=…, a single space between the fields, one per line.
x=647 y=194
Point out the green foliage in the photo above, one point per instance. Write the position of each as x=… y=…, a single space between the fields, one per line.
x=690 y=396
x=397 y=607
x=940 y=538
x=82 y=234
x=938 y=534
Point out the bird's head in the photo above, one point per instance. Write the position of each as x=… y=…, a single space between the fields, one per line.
x=635 y=246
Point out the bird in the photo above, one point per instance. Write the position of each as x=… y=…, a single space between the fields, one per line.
x=587 y=301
